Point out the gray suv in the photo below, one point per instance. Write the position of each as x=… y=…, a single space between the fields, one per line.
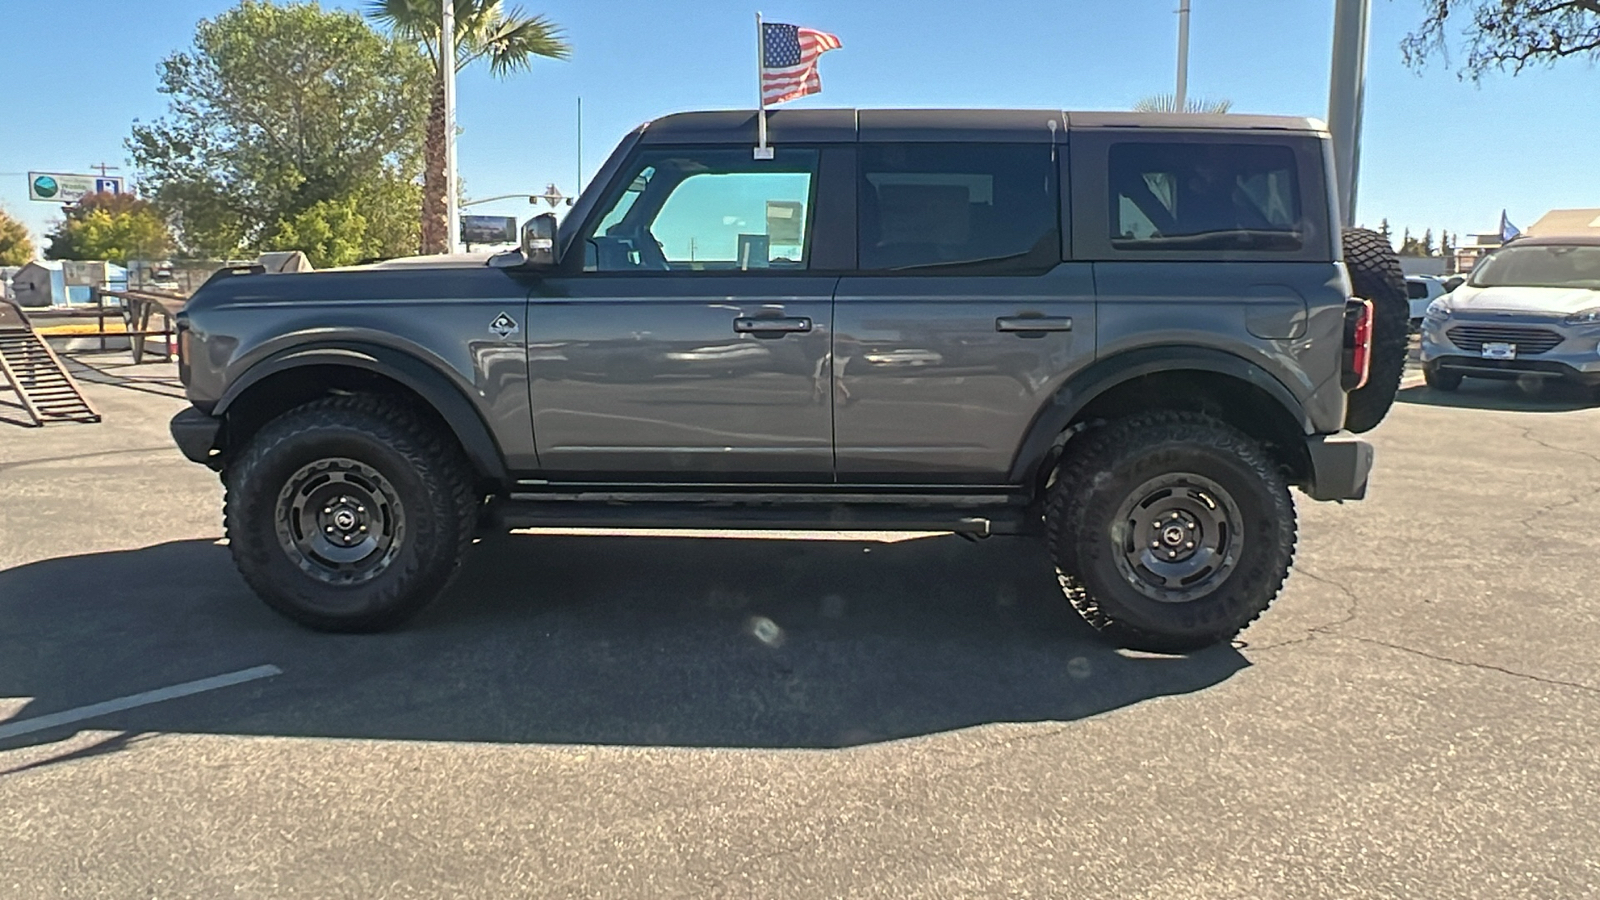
x=1530 y=309
x=1126 y=334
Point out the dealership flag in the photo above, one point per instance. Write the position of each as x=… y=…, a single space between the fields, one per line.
x=1507 y=230
x=789 y=57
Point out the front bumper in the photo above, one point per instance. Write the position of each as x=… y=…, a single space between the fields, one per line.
x=1340 y=466
x=1574 y=356
x=196 y=433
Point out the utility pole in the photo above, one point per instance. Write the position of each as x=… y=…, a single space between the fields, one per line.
x=447 y=71
x=1347 y=87
x=1181 y=95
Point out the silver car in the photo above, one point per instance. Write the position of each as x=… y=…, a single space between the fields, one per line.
x=1531 y=308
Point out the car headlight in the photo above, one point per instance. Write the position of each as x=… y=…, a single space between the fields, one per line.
x=1440 y=308
x=1587 y=317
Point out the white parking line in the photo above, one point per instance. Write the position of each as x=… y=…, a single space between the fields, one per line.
x=67 y=717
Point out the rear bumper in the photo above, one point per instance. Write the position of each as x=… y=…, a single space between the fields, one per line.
x=195 y=433
x=1340 y=466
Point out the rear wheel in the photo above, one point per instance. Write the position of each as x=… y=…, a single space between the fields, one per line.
x=349 y=513
x=1441 y=379
x=1375 y=275
x=1170 y=531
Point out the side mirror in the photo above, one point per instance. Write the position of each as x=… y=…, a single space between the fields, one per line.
x=539 y=240
x=1453 y=282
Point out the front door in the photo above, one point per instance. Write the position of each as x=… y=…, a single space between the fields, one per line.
x=694 y=345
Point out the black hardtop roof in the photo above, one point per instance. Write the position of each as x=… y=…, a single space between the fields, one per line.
x=1011 y=125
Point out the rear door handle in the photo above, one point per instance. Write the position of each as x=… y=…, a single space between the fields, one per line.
x=1032 y=325
x=771 y=326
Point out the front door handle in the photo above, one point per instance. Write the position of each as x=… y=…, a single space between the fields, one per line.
x=771 y=326
x=1032 y=326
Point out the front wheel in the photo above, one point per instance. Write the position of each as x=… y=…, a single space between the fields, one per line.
x=349 y=513
x=1170 y=531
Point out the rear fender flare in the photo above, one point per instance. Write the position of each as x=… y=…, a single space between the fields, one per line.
x=1064 y=406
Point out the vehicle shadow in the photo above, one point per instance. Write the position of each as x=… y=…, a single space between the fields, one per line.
x=1503 y=396
x=583 y=639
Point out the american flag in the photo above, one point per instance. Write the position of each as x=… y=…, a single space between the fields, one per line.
x=789 y=61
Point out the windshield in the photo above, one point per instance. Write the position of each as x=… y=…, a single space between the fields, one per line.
x=1541 y=266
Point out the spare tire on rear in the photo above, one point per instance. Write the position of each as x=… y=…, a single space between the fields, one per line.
x=1375 y=275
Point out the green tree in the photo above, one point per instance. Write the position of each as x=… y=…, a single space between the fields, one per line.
x=1169 y=103
x=1447 y=245
x=1426 y=244
x=16 y=248
x=1409 y=246
x=116 y=227
x=1505 y=34
x=279 y=110
x=485 y=30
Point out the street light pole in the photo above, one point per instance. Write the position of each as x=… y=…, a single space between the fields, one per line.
x=447 y=71
x=1347 y=87
x=1181 y=96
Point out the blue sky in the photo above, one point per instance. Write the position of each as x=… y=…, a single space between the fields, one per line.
x=1438 y=152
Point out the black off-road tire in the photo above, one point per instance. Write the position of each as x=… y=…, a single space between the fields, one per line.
x=1441 y=379
x=414 y=479
x=1093 y=533
x=1375 y=275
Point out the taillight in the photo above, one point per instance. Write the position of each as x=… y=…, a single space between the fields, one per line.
x=1357 y=344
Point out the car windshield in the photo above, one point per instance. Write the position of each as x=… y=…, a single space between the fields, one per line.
x=1541 y=266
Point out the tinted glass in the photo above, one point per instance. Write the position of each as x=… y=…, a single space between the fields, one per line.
x=1204 y=196
x=708 y=210
x=1546 y=266
x=1416 y=290
x=962 y=208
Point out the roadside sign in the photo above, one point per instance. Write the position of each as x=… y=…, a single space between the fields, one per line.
x=63 y=187
x=488 y=229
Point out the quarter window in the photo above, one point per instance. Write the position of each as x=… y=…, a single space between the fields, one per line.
x=962 y=208
x=1204 y=196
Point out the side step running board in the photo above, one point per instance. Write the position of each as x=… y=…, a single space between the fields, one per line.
x=978 y=522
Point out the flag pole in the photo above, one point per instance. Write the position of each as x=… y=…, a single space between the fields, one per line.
x=762 y=150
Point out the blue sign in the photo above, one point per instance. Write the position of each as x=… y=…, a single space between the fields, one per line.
x=105 y=185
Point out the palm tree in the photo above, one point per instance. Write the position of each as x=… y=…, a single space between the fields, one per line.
x=485 y=29
x=1169 y=103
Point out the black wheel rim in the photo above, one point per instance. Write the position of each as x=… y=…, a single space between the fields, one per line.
x=1180 y=537
x=340 y=521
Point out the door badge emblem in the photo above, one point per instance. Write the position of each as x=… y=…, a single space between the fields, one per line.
x=503 y=326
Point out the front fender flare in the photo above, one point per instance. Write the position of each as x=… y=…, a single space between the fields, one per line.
x=433 y=386
x=1105 y=374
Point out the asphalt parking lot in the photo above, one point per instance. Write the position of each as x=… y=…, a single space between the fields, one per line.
x=601 y=716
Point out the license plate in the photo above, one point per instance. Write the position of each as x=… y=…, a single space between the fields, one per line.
x=1499 y=351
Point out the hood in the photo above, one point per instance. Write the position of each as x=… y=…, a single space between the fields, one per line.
x=1552 y=300
x=438 y=261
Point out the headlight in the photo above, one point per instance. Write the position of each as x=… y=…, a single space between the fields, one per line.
x=1440 y=308
x=1587 y=317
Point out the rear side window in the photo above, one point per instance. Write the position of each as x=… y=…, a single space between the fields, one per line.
x=1417 y=290
x=958 y=208
x=1204 y=196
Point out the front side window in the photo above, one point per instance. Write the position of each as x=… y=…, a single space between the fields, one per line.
x=961 y=208
x=1204 y=196
x=1540 y=266
x=708 y=210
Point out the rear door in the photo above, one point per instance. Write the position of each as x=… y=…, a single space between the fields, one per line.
x=694 y=343
x=962 y=318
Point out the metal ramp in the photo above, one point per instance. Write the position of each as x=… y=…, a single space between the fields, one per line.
x=33 y=370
